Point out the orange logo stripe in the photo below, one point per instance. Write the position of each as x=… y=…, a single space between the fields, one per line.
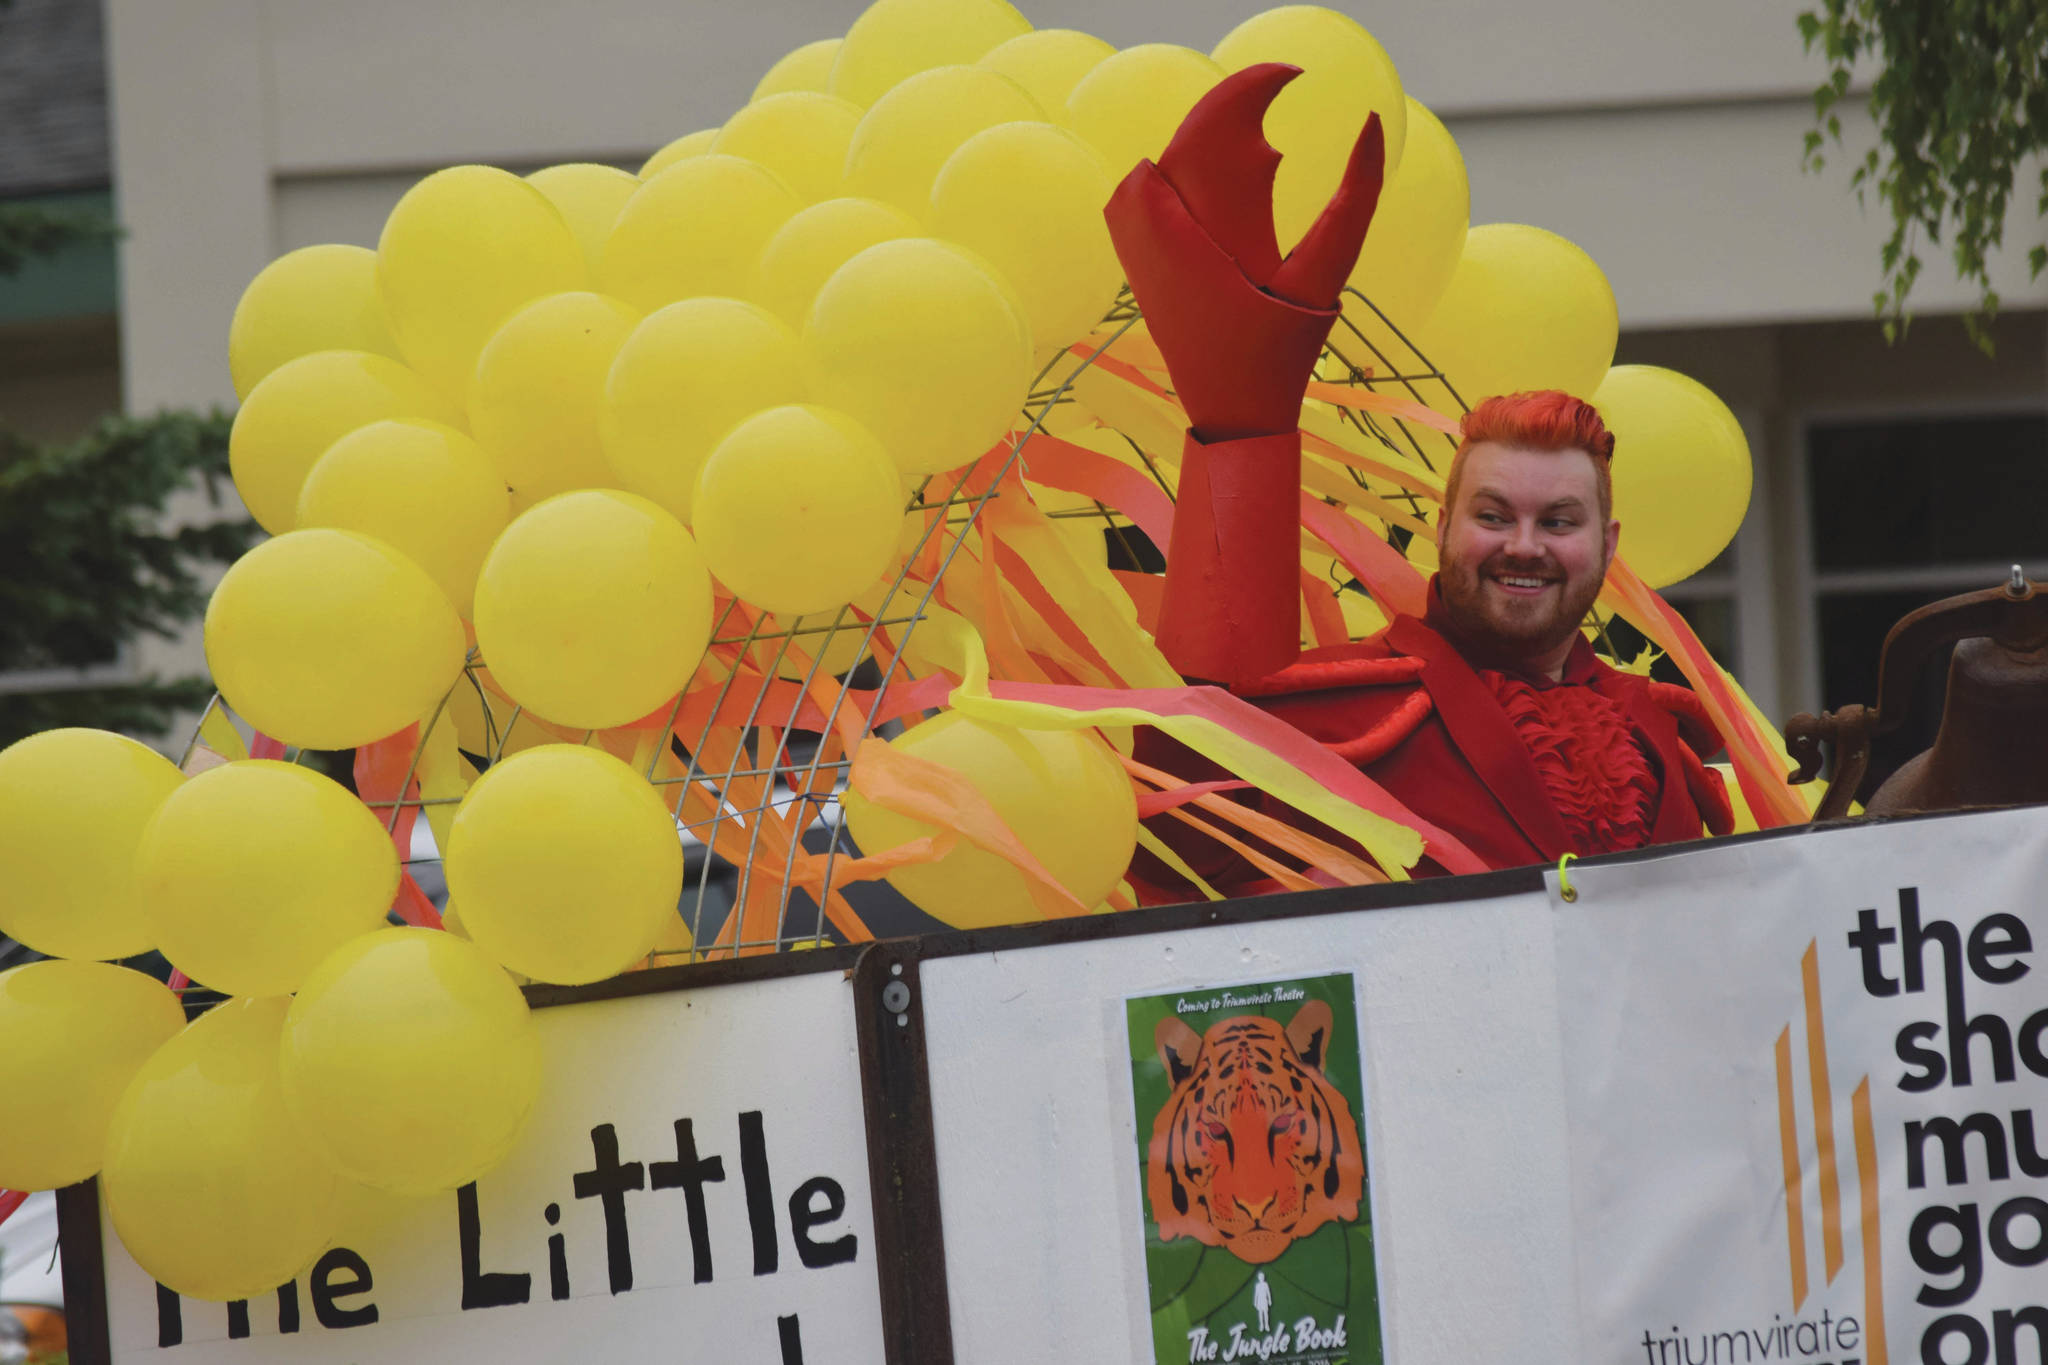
x=1873 y=1270
x=1823 y=1114
x=1788 y=1141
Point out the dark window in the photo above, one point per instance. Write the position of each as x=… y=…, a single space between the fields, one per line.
x=1951 y=490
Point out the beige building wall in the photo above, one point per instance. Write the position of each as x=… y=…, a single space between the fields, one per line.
x=1665 y=139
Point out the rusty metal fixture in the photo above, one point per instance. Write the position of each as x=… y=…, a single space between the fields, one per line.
x=1992 y=749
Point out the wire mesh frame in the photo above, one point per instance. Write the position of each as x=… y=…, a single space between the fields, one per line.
x=788 y=780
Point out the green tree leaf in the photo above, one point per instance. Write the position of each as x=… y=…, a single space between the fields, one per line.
x=1960 y=99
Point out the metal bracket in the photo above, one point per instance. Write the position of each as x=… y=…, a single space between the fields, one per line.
x=903 y=1167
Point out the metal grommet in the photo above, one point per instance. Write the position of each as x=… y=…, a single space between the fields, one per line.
x=895 y=997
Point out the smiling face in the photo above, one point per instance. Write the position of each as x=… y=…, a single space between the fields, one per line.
x=1523 y=551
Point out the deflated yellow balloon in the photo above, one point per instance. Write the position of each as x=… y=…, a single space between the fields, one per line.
x=318 y=298
x=682 y=149
x=589 y=197
x=1028 y=198
x=1346 y=76
x=213 y=1189
x=1681 y=470
x=1525 y=309
x=411 y=1060
x=256 y=870
x=1048 y=63
x=807 y=68
x=801 y=136
x=1062 y=793
x=799 y=509
x=306 y=405
x=567 y=864
x=593 y=608
x=76 y=1034
x=1128 y=107
x=74 y=803
x=895 y=39
x=907 y=135
x=462 y=250
x=805 y=251
x=924 y=347
x=330 y=639
x=424 y=489
x=1417 y=235
x=538 y=395
x=686 y=377
x=696 y=228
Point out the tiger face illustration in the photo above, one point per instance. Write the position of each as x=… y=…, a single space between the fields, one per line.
x=1254 y=1147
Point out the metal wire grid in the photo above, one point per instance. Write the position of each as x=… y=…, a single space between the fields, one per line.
x=789 y=767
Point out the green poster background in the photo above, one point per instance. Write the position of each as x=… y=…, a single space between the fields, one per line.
x=1326 y=1273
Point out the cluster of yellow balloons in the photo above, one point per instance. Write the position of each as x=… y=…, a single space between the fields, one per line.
x=348 y=1054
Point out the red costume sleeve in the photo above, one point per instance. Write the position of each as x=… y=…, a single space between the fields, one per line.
x=1240 y=329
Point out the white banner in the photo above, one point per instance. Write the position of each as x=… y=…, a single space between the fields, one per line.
x=1806 y=1082
x=695 y=1187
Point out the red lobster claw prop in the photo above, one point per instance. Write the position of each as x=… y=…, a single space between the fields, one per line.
x=1240 y=329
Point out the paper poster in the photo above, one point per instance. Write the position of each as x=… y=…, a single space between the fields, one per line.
x=1807 y=1088
x=1251 y=1163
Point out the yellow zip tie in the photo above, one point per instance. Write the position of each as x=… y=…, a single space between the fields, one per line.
x=1564 y=877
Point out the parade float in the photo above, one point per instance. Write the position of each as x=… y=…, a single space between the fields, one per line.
x=791 y=511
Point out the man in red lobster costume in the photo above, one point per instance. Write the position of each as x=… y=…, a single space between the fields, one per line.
x=1490 y=716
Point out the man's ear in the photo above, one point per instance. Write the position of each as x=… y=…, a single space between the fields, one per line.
x=1613 y=541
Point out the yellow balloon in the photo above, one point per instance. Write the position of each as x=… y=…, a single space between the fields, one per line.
x=807 y=68
x=318 y=298
x=682 y=149
x=593 y=608
x=1525 y=309
x=895 y=39
x=906 y=137
x=589 y=197
x=539 y=391
x=74 y=804
x=213 y=1189
x=798 y=510
x=1681 y=470
x=1129 y=105
x=697 y=228
x=1345 y=76
x=411 y=1060
x=924 y=347
x=1048 y=63
x=567 y=864
x=424 y=489
x=1028 y=197
x=1417 y=235
x=1062 y=793
x=330 y=639
x=76 y=1034
x=805 y=251
x=256 y=870
x=801 y=136
x=462 y=250
x=306 y=405
x=686 y=377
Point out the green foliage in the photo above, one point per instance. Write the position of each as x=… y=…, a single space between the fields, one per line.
x=88 y=561
x=1960 y=100
x=28 y=231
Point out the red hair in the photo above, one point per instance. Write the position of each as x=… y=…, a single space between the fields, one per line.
x=1546 y=419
